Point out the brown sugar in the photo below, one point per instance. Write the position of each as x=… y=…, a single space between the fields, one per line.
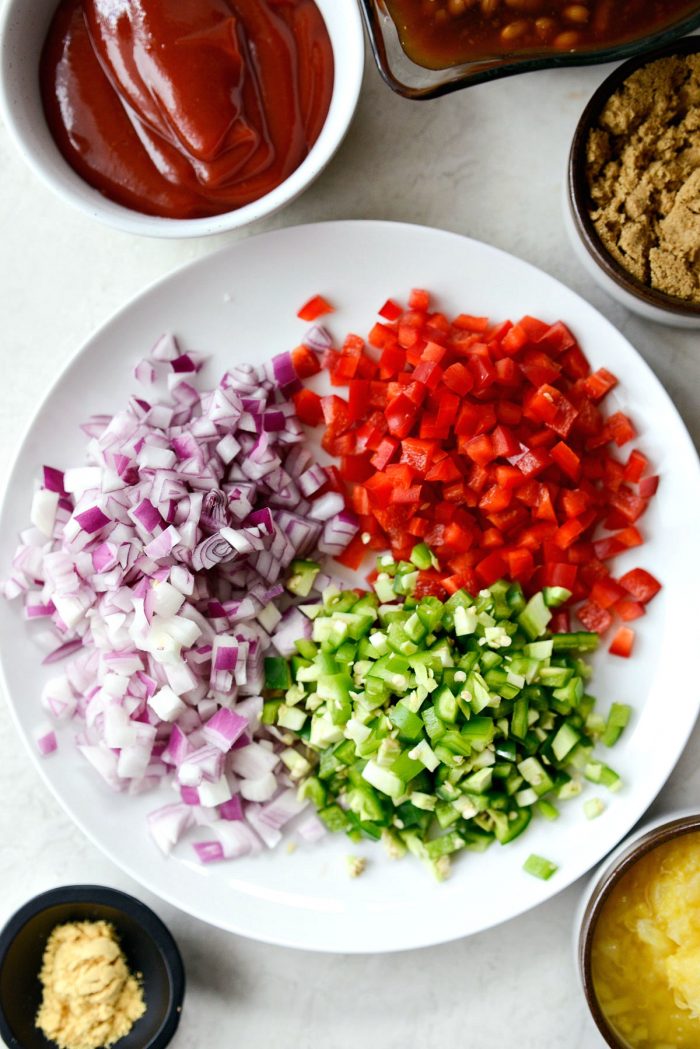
x=643 y=171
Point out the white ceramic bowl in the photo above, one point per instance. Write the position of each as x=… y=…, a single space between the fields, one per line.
x=23 y=27
x=644 y=839
x=603 y=268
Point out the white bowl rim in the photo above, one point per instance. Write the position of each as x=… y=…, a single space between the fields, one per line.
x=348 y=53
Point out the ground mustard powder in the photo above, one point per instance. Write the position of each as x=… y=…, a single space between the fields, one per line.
x=90 y=998
x=643 y=172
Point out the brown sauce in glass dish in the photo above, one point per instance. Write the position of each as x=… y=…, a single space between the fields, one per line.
x=437 y=34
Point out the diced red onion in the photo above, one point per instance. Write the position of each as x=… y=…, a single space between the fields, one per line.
x=282 y=809
x=168 y=824
x=318 y=338
x=159 y=565
x=310 y=829
x=270 y=836
x=224 y=728
x=236 y=838
x=232 y=809
x=46 y=742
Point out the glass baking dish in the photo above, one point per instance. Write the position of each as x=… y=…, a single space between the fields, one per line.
x=413 y=81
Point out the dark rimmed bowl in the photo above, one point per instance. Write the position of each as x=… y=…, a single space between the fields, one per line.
x=149 y=948
x=605 y=270
x=409 y=79
x=639 y=844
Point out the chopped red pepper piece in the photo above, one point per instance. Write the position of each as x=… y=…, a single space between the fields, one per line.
x=316 y=307
x=487 y=442
x=390 y=311
x=623 y=642
x=594 y=617
x=308 y=407
x=641 y=584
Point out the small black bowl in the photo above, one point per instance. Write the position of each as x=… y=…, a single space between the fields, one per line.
x=147 y=944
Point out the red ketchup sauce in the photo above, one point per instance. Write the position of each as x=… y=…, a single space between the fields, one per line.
x=186 y=108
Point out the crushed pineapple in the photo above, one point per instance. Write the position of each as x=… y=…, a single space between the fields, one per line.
x=646 y=949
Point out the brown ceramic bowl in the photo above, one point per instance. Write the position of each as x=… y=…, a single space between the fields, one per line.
x=639 y=844
x=605 y=270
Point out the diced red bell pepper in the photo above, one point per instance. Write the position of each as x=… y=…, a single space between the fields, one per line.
x=539 y=368
x=623 y=642
x=521 y=564
x=629 y=505
x=599 y=383
x=308 y=407
x=356 y=468
x=575 y=501
x=567 y=460
x=305 y=362
x=616 y=543
x=407 y=496
x=606 y=592
x=534 y=462
x=557 y=339
x=505 y=443
x=316 y=307
x=635 y=467
x=401 y=415
x=480 y=449
x=620 y=429
x=445 y=438
x=648 y=487
x=381 y=335
x=560 y=622
x=384 y=453
x=491 y=569
x=551 y=407
x=444 y=471
x=354 y=554
x=514 y=340
x=418 y=454
x=465 y=322
x=358 y=398
x=419 y=299
x=495 y=499
x=594 y=618
x=628 y=610
x=533 y=328
x=641 y=584
x=429 y=373
x=390 y=311
x=458 y=378
x=559 y=574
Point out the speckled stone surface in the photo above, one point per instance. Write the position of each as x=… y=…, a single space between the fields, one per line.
x=488 y=162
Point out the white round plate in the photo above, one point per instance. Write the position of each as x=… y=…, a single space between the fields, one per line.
x=240 y=304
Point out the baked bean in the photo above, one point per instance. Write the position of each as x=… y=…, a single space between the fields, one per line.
x=489 y=7
x=578 y=13
x=545 y=27
x=529 y=7
x=514 y=30
x=456 y=7
x=567 y=40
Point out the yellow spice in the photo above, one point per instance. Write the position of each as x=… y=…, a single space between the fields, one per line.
x=646 y=949
x=90 y=998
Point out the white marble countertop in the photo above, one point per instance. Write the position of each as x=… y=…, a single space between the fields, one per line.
x=487 y=162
